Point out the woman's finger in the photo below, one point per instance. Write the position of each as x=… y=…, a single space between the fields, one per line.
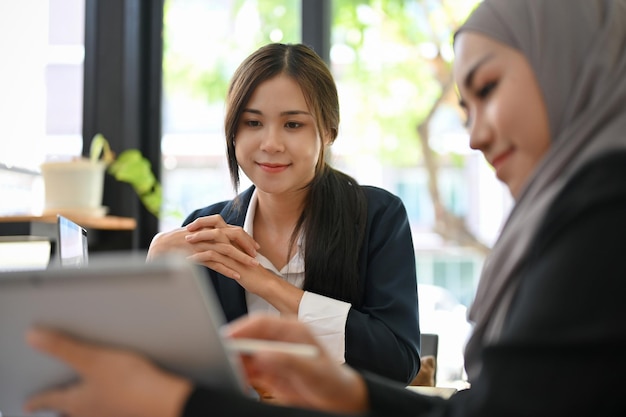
x=164 y=243
x=208 y=235
x=225 y=260
x=220 y=252
x=78 y=355
x=319 y=383
x=271 y=328
x=233 y=235
x=242 y=239
x=213 y=221
x=216 y=266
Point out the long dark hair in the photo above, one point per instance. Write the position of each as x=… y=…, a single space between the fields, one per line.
x=335 y=208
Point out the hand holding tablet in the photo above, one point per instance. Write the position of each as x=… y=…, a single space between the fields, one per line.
x=118 y=301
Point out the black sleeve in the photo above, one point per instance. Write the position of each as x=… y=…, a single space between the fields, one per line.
x=382 y=335
x=387 y=398
x=392 y=399
x=205 y=402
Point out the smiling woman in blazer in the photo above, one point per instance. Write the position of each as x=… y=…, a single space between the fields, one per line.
x=305 y=239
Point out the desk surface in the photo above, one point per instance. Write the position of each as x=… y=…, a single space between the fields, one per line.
x=99 y=223
x=443 y=392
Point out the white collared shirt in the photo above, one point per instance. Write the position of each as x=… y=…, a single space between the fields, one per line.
x=324 y=315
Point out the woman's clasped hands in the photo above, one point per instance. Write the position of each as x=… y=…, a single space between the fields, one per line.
x=211 y=242
x=225 y=248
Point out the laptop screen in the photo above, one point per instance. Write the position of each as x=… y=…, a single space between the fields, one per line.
x=72 y=247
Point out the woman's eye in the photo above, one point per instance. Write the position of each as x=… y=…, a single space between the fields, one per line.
x=253 y=123
x=292 y=125
x=486 y=90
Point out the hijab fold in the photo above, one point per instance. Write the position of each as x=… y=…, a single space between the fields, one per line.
x=577 y=50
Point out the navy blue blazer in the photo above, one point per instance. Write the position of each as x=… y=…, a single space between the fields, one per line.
x=382 y=335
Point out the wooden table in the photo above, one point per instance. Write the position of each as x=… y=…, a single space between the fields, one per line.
x=104 y=233
x=99 y=223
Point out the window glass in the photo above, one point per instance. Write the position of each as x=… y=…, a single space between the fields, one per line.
x=41 y=79
x=204 y=42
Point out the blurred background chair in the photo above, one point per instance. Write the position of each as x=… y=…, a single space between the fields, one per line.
x=427 y=376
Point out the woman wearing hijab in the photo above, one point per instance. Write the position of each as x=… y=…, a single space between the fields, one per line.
x=544 y=87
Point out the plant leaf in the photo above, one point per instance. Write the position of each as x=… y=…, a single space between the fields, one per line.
x=131 y=167
x=99 y=145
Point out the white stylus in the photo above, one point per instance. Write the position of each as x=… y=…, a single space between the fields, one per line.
x=250 y=346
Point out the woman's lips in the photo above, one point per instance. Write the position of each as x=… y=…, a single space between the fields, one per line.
x=500 y=158
x=273 y=168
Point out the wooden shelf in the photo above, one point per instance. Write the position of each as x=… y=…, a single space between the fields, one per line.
x=97 y=223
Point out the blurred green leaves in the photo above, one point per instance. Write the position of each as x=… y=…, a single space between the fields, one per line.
x=132 y=168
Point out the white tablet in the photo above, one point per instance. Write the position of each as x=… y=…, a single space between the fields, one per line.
x=165 y=310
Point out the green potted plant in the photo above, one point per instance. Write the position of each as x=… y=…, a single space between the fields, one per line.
x=76 y=186
x=130 y=167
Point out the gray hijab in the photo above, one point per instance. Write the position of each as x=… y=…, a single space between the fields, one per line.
x=577 y=49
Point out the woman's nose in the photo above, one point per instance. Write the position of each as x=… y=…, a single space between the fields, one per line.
x=272 y=141
x=480 y=137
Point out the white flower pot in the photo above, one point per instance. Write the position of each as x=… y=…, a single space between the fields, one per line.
x=73 y=186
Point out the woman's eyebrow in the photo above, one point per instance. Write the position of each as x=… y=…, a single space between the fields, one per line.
x=294 y=112
x=469 y=77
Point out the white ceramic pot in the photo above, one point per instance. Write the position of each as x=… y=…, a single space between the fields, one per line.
x=75 y=185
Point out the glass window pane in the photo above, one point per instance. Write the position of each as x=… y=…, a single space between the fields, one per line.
x=204 y=42
x=41 y=79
